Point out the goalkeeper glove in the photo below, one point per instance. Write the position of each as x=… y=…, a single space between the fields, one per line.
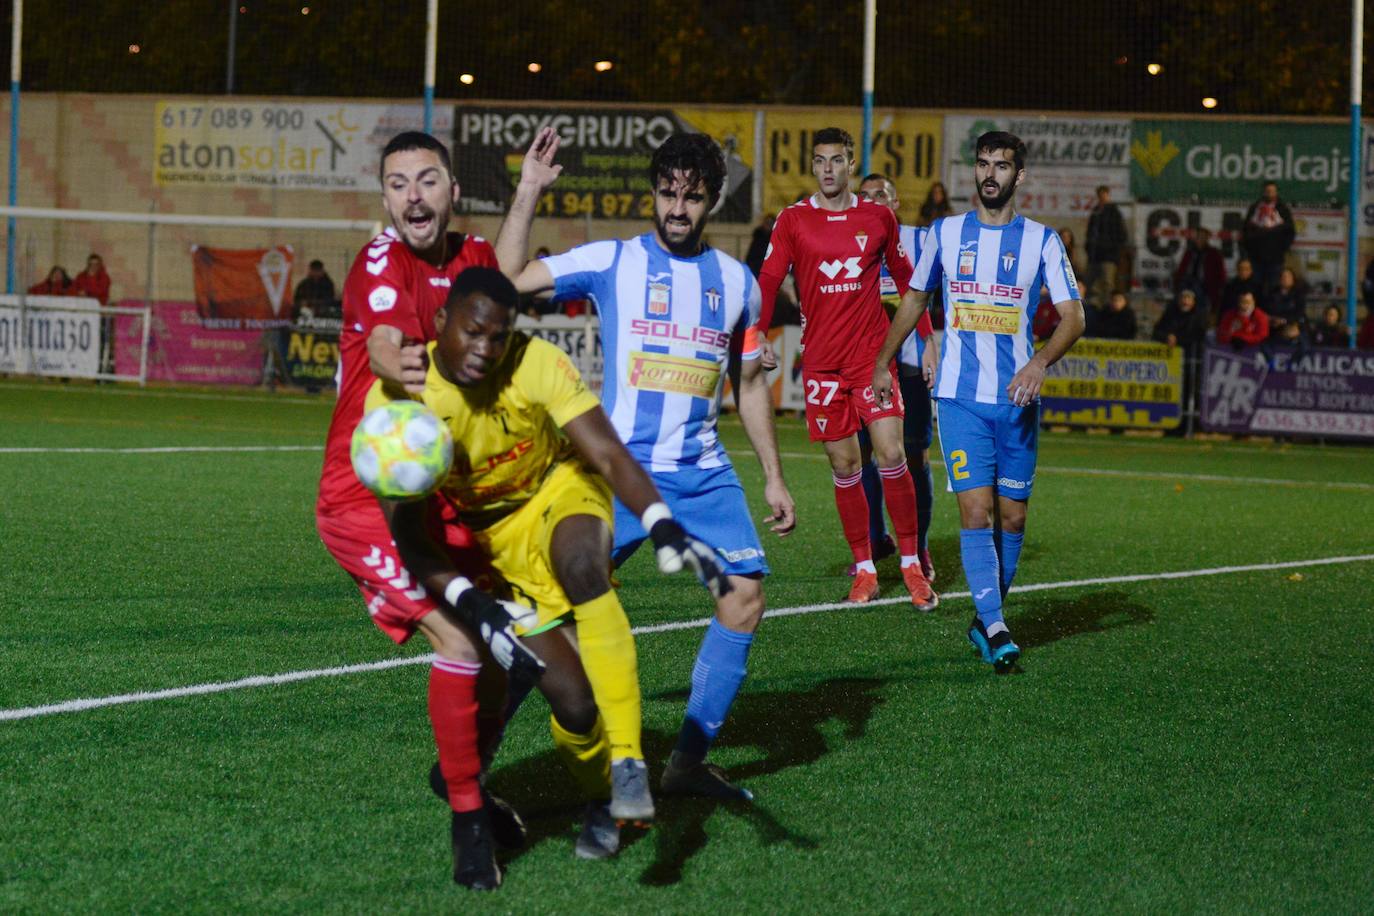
x=495 y=621
x=676 y=549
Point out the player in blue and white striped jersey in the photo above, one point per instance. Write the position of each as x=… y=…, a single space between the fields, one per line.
x=676 y=315
x=991 y=263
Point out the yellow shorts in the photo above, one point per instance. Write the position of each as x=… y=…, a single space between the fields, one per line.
x=519 y=543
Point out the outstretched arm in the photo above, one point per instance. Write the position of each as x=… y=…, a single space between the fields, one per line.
x=755 y=403
x=537 y=173
x=396 y=362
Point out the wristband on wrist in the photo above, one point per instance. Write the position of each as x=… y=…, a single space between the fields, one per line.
x=656 y=513
x=455 y=589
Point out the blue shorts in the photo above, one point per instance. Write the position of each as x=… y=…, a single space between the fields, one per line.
x=989 y=444
x=710 y=505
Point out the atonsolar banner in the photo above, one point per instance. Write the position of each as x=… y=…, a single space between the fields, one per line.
x=604 y=151
x=1306 y=392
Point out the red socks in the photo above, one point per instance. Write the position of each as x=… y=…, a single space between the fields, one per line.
x=899 y=493
x=853 y=506
x=453 y=713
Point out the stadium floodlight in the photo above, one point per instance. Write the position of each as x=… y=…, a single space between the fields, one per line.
x=1209 y=102
x=534 y=67
x=467 y=79
x=603 y=65
x=1153 y=69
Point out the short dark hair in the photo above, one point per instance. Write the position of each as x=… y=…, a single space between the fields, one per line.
x=875 y=176
x=828 y=135
x=999 y=139
x=486 y=280
x=697 y=156
x=414 y=139
x=317 y=265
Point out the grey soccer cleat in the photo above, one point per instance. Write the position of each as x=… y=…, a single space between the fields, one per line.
x=702 y=779
x=630 y=798
x=600 y=836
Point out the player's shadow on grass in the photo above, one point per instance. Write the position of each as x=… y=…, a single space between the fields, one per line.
x=786 y=728
x=1040 y=619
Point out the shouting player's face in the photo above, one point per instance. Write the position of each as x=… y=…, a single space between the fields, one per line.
x=680 y=213
x=832 y=166
x=472 y=337
x=419 y=194
x=997 y=177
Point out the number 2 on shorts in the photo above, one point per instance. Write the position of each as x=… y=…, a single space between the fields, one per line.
x=958 y=462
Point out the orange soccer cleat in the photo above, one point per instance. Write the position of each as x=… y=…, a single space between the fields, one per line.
x=864 y=588
x=922 y=595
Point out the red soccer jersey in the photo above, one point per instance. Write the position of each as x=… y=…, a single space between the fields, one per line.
x=836 y=260
x=387 y=285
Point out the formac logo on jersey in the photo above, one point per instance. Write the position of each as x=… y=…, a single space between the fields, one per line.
x=673 y=374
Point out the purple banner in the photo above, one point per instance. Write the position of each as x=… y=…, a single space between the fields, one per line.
x=1306 y=392
x=182 y=349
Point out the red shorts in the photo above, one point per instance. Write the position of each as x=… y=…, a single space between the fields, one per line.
x=360 y=541
x=838 y=403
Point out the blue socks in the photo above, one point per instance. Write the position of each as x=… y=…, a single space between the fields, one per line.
x=716 y=678
x=873 y=491
x=925 y=498
x=1011 y=552
x=979 y=553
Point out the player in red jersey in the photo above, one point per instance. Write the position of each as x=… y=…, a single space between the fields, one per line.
x=835 y=244
x=397 y=283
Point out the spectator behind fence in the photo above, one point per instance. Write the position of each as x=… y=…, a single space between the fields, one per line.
x=1286 y=306
x=1046 y=316
x=1365 y=339
x=1331 y=330
x=1367 y=285
x=1183 y=324
x=1116 y=321
x=1105 y=242
x=1244 y=281
x=93 y=282
x=1244 y=326
x=758 y=244
x=935 y=205
x=57 y=284
x=1071 y=250
x=1202 y=269
x=1268 y=234
x=315 y=294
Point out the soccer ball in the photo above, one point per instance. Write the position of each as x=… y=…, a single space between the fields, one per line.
x=401 y=450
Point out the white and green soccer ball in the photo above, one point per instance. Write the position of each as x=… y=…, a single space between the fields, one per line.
x=401 y=450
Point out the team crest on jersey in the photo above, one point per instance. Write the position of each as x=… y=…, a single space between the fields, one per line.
x=659 y=296
x=713 y=299
x=862 y=239
x=821 y=423
x=968 y=258
x=1008 y=262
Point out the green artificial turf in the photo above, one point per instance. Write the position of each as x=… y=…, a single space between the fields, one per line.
x=1199 y=743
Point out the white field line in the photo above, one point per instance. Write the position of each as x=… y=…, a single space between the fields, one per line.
x=270 y=680
x=116 y=391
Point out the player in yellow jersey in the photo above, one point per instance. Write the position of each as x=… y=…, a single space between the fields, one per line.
x=533 y=452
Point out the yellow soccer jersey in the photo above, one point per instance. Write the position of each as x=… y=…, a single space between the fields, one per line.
x=506 y=431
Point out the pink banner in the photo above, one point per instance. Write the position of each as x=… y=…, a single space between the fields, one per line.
x=182 y=349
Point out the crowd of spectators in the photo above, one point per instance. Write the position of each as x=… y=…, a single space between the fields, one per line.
x=91 y=283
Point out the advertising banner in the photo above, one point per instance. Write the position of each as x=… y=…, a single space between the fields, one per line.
x=242 y=289
x=604 y=152
x=50 y=335
x=1226 y=162
x=1119 y=383
x=182 y=348
x=1317 y=392
x=1067 y=158
x=906 y=148
x=310 y=352
x=318 y=146
x=579 y=337
x=1162 y=232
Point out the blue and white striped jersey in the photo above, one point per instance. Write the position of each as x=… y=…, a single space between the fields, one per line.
x=666 y=326
x=992 y=277
x=913 y=348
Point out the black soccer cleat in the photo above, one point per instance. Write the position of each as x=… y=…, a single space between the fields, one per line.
x=1003 y=651
x=507 y=826
x=474 y=853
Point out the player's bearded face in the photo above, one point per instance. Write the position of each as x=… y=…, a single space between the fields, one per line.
x=472 y=337
x=997 y=177
x=680 y=213
x=419 y=194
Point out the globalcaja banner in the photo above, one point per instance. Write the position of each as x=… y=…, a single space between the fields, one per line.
x=181 y=348
x=243 y=288
x=906 y=148
x=318 y=146
x=310 y=351
x=605 y=152
x=1162 y=232
x=1313 y=392
x=1067 y=159
x=1228 y=161
x=50 y=335
x=1118 y=383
